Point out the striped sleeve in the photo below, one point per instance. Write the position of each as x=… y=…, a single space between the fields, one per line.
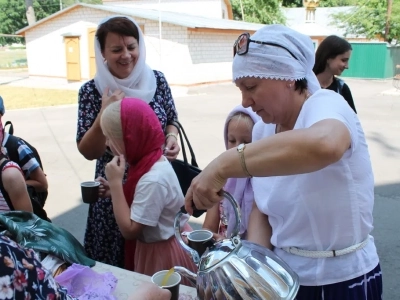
x=27 y=159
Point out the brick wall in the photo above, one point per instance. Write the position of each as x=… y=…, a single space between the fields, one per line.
x=210 y=47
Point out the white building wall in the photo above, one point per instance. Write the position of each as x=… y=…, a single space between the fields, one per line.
x=187 y=57
x=45 y=43
x=204 y=8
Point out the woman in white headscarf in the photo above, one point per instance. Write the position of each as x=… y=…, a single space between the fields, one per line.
x=121 y=72
x=312 y=176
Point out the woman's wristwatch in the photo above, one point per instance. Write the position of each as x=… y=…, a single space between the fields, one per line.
x=240 y=150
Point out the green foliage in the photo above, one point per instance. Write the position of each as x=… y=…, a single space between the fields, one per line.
x=335 y=3
x=322 y=3
x=292 y=3
x=258 y=11
x=13 y=14
x=369 y=19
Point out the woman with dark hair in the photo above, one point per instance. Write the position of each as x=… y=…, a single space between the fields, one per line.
x=121 y=71
x=331 y=59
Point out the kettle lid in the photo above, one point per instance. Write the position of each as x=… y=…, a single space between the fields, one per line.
x=218 y=252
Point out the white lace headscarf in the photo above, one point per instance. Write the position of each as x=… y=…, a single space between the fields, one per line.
x=271 y=62
x=140 y=84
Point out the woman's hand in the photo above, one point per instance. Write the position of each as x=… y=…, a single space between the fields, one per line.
x=115 y=170
x=104 y=188
x=107 y=100
x=150 y=291
x=172 y=148
x=206 y=189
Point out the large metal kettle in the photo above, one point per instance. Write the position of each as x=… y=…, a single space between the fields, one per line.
x=233 y=269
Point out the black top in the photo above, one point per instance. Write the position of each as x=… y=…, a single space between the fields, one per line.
x=344 y=91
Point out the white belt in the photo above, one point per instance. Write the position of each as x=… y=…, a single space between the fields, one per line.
x=325 y=254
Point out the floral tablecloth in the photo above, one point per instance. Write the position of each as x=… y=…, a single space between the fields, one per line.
x=129 y=281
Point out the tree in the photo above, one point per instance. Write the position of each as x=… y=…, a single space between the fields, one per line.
x=13 y=14
x=369 y=19
x=336 y=3
x=322 y=3
x=258 y=11
x=292 y=3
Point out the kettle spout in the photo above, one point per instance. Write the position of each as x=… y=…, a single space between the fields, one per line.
x=187 y=274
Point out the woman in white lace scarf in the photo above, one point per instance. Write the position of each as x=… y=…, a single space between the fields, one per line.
x=312 y=176
x=121 y=72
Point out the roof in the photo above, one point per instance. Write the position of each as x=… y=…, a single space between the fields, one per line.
x=296 y=18
x=313 y=29
x=179 y=19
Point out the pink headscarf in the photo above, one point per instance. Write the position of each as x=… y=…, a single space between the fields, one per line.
x=240 y=188
x=143 y=139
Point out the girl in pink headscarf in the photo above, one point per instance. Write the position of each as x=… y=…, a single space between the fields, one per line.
x=146 y=204
x=221 y=219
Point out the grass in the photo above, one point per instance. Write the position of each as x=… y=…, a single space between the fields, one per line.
x=12 y=58
x=16 y=97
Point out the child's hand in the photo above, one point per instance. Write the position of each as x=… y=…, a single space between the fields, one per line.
x=104 y=188
x=115 y=170
x=217 y=237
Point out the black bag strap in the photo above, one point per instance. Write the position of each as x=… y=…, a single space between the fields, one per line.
x=11 y=130
x=3 y=162
x=182 y=136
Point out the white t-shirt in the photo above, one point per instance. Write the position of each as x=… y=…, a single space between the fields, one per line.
x=330 y=209
x=158 y=198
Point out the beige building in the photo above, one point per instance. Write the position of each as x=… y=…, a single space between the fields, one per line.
x=189 y=49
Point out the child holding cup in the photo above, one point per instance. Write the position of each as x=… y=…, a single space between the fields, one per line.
x=146 y=204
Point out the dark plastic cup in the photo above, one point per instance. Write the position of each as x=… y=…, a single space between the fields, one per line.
x=200 y=240
x=172 y=284
x=90 y=191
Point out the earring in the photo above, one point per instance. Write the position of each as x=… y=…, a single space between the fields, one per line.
x=290 y=85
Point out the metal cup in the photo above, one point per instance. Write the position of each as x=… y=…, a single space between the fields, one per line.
x=200 y=240
x=90 y=191
x=172 y=284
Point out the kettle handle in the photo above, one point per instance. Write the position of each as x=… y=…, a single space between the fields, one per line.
x=236 y=210
x=177 y=225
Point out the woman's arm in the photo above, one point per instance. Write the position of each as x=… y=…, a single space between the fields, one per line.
x=212 y=219
x=259 y=230
x=292 y=152
x=171 y=132
x=15 y=186
x=91 y=142
x=92 y=145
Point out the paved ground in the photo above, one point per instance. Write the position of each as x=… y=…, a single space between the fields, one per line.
x=202 y=112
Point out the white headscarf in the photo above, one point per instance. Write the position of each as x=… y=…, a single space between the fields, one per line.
x=271 y=62
x=140 y=84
